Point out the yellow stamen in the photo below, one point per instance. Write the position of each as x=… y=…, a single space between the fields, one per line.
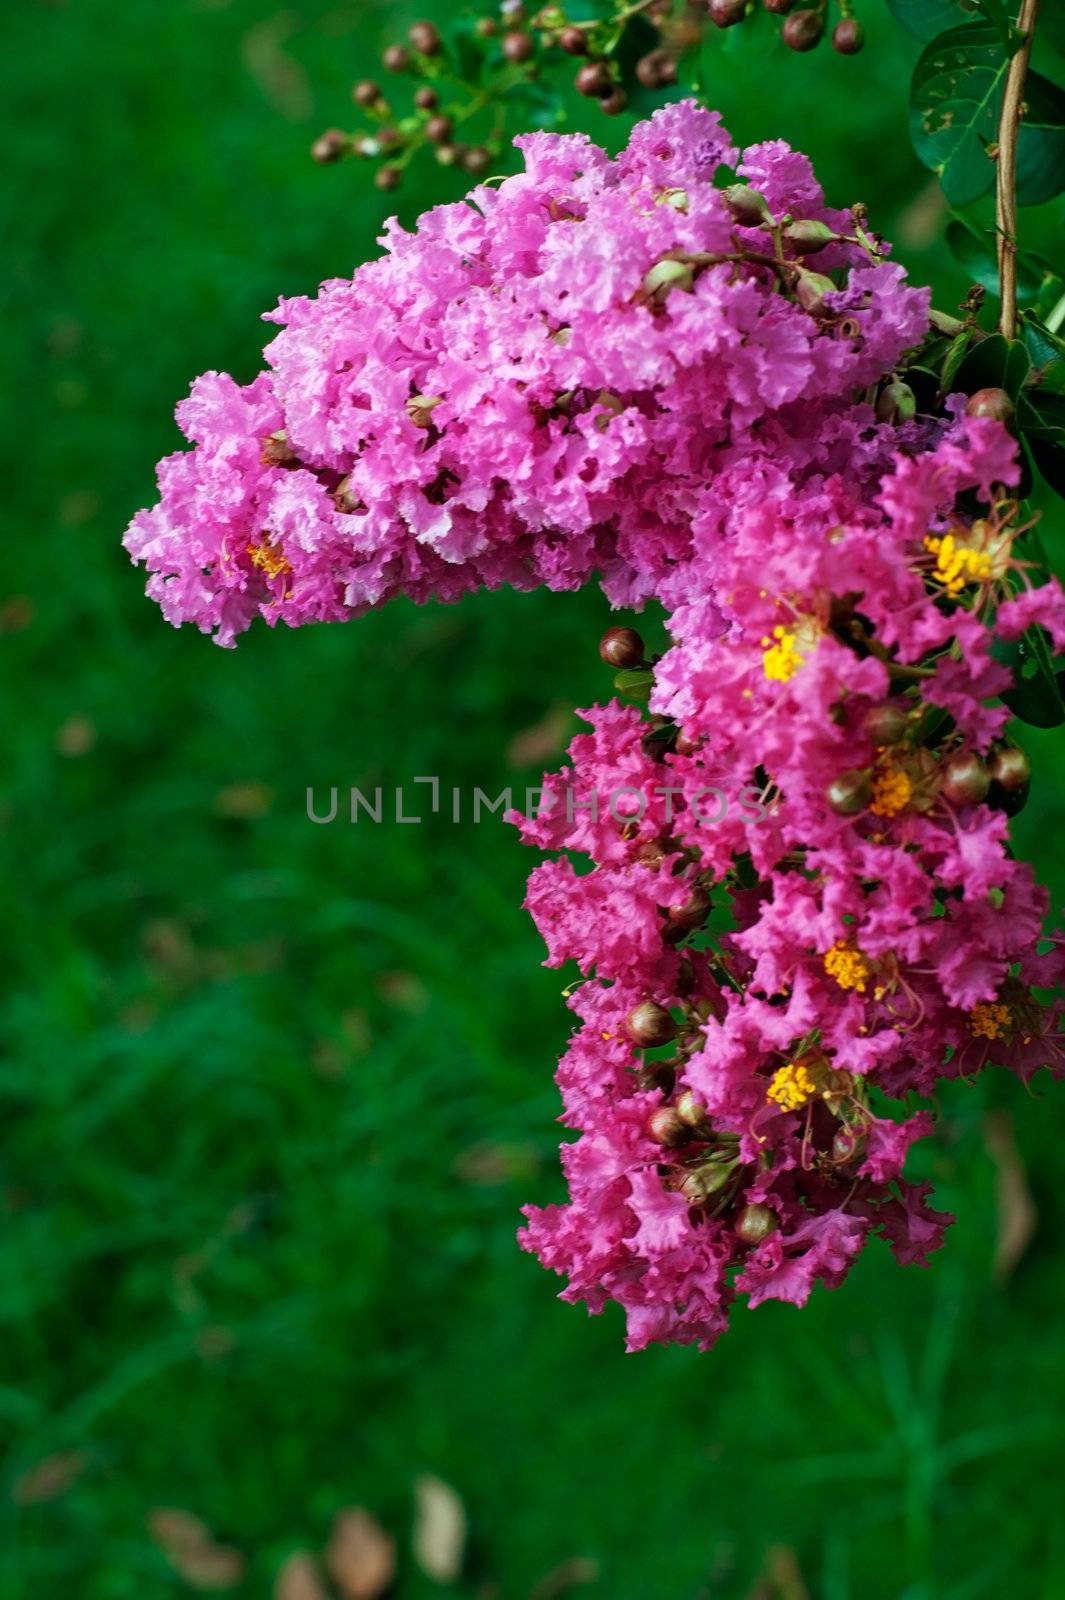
x=956 y=564
x=846 y=963
x=892 y=792
x=791 y=1087
x=268 y=558
x=989 y=1021
x=782 y=660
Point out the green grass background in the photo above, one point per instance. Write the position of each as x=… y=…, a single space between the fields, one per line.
x=273 y=1093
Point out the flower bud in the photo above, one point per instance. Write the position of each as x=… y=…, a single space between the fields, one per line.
x=692 y=1113
x=388 y=178
x=621 y=647
x=755 y=1223
x=477 y=160
x=994 y=403
x=656 y=69
x=650 y=1025
x=808 y=236
x=692 y=912
x=426 y=99
x=574 y=41
x=438 y=130
x=896 y=402
x=1010 y=768
x=665 y=1127
x=425 y=39
x=614 y=102
x=669 y=274
x=885 y=724
x=811 y=287
x=726 y=13
x=517 y=46
x=746 y=205
x=965 y=779
x=848 y=36
x=703 y=1182
x=366 y=92
x=803 y=30
x=486 y=27
x=848 y=1145
x=396 y=58
x=594 y=80
x=779 y=8
x=851 y=792
x=330 y=146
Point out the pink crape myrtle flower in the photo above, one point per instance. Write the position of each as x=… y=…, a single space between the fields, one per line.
x=629 y=369
x=540 y=383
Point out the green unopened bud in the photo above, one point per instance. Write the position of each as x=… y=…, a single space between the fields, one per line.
x=676 y=198
x=649 y=1025
x=704 y=1182
x=851 y=792
x=811 y=287
x=808 y=236
x=746 y=205
x=896 y=402
x=667 y=275
x=943 y=323
x=755 y=1223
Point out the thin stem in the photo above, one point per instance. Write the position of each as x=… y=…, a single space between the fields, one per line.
x=1006 y=181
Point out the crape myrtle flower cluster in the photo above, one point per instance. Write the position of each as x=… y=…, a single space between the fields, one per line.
x=678 y=371
x=541 y=384
x=759 y=993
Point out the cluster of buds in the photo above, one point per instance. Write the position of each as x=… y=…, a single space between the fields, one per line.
x=513 y=45
x=802 y=30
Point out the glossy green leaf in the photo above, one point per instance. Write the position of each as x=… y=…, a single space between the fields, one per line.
x=994 y=363
x=955 y=100
x=974 y=250
x=635 y=682
x=1041 y=146
x=928 y=18
x=1036 y=696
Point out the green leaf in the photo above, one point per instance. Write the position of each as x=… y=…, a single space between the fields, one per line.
x=1041 y=145
x=974 y=250
x=929 y=18
x=1046 y=349
x=954 y=99
x=636 y=682
x=1036 y=696
x=994 y=363
x=1051 y=25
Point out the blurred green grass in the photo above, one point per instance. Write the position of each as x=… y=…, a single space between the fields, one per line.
x=273 y=1093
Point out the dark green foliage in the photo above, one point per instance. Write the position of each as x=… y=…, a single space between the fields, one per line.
x=273 y=1093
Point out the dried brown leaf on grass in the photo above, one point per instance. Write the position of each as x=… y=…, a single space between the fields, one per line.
x=49 y=1478
x=300 y=1579
x=1017 y=1213
x=439 y=1529
x=544 y=740
x=192 y=1550
x=781 y=1578
x=360 y=1556
x=564 y=1578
